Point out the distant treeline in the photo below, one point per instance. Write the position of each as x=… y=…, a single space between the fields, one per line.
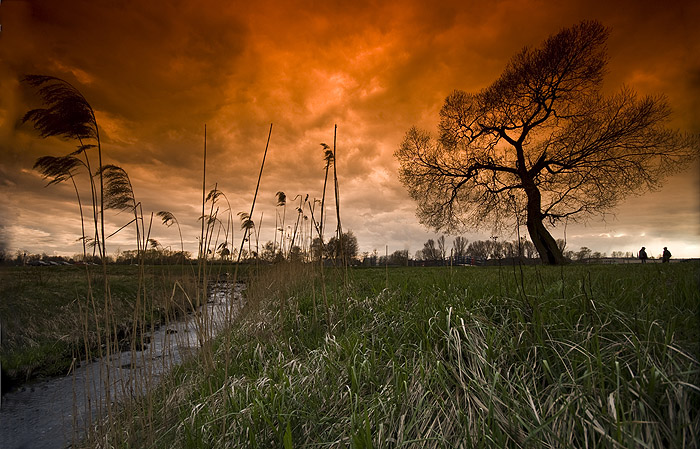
x=435 y=252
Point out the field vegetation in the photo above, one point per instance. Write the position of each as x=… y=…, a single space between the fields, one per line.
x=533 y=356
x=52 y=316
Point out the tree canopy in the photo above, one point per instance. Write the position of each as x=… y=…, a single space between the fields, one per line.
x=542 y=143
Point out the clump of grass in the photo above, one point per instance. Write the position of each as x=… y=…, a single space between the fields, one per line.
x=450 y=358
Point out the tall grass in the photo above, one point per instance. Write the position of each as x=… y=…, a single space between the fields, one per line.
x=443 y=357
x=106 y=327
x=44 y=310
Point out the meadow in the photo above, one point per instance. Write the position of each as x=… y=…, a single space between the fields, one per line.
x=54 y=316
x=535 y=356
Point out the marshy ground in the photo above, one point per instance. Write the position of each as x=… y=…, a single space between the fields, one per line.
x=575 y=356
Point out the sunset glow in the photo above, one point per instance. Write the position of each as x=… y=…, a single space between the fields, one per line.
x=156 y=72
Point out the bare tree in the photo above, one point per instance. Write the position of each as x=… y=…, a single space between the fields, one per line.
x=460 y=247
x=430 y=252
x=442 y=248
x=480 y=249
x=541 y=143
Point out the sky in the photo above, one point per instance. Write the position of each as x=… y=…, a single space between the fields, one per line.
x=157 y=72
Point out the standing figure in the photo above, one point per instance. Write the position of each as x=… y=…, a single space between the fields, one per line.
x=643 y=255
x=666 y=256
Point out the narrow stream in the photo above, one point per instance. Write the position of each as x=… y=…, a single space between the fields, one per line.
x=51 y=414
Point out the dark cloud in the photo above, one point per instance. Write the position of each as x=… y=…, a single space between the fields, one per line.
x=157 y=71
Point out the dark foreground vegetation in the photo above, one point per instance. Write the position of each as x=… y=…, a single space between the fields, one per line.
x=577 y=356
x=54 y=316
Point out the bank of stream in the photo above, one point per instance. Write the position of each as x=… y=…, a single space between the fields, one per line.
x=53 y=413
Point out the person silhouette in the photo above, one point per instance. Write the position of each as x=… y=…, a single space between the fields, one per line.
x=666 y=256
x=643 y=255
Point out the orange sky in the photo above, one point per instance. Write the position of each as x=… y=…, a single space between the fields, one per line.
x=157 y=71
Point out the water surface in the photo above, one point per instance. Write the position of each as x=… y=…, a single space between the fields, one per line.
x=51 y=414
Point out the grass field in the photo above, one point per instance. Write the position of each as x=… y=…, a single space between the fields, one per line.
x=52 y=314
x=575 y=356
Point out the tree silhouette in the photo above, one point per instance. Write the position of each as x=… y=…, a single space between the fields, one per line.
x=541 y=143
x=430 y=251
x=442 y=248
x=460 y=247
x=342 y=250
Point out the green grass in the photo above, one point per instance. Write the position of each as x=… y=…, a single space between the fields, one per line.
x=579 y=356
x=52 y=314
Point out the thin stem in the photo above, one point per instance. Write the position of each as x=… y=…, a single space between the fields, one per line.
x=257 y=187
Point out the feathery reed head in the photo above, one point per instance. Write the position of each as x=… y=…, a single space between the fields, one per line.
x=68 y=114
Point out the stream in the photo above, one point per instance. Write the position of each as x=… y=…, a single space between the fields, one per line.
x=53 y=413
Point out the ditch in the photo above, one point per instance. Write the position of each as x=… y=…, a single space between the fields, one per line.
x=54 y=413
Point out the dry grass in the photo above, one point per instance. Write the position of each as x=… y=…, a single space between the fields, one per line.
x=584 y=357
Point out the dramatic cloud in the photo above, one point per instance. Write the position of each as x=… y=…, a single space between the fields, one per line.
x=156 y=72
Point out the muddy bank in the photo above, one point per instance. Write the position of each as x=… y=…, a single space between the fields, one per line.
x=51 y=414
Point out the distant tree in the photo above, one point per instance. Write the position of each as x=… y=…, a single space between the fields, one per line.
x=541 y=143
x=480 y=249
x=399 y=257
x=347 y=247
x=20 y=257
x=296 y=254
x=528 y=249
x=442 y=248
x=373 y=258
x=316 y=250
x=512 y=249
x=496 y=248
x=584 y=253
x=430 y=252
x=561 y=244
x=364 y=258
x=460 y=247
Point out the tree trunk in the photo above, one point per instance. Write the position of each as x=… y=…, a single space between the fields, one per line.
x=544 y=242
